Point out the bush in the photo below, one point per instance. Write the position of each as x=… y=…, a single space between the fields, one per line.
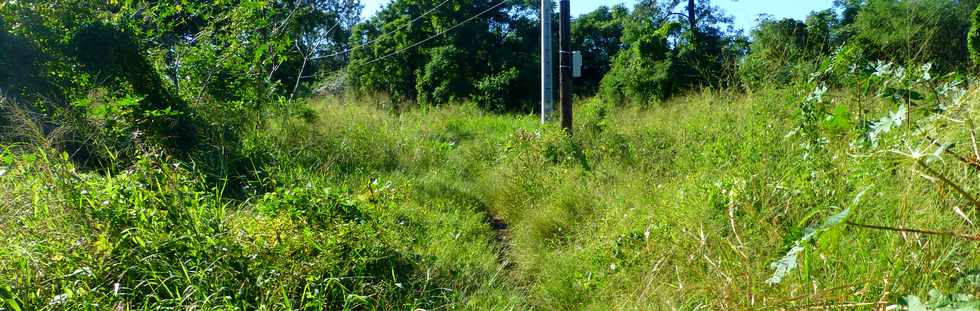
x=493 y=91
x=915 y=31
x=644 y=71
x=777 y=48
x=442 y=79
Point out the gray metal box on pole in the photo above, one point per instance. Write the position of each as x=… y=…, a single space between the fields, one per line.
x=576 y=64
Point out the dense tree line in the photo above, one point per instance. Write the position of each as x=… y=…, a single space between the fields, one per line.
x=493 y=59
x=642 y=54
x=906 y=32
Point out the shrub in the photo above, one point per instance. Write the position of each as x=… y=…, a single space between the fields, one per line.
x=642 y=72
x=494 y=89
x=915 y=31
x=442 y=79
x=777 y=51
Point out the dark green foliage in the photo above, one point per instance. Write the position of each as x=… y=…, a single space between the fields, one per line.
x=706 y=52
x=700 y=53
x=597 y=35
x=820 y=35
x=645 y=71
x=778 y=47
x=259 y=49
x=121 y=76
x=115 y=58
x=494 y=90
x=23 y=74
x=915 y=31
x=442 y=79
x=448 y=67
x=787 y=49
x=905 y=32
x=973 y=37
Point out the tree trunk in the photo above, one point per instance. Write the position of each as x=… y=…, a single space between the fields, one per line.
x=692 y=22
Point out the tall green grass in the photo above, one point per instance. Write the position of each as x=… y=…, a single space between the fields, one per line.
x=683 y=205
x=161 y=234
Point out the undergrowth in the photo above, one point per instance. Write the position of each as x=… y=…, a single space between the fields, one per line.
x=685 y=205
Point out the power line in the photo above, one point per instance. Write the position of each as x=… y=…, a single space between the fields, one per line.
x=436 y=35
x=386 y=33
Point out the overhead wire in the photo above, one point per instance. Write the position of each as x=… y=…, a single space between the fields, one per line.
x=368 y=42
x=436 y=35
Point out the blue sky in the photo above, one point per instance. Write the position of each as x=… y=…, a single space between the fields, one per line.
x=745 y=12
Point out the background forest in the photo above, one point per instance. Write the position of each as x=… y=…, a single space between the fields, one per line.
x=271 y=154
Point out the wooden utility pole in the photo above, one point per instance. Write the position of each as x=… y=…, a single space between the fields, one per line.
x=547 y=84
x=565 y=65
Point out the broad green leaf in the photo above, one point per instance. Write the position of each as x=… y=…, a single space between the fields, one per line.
x=788 y=262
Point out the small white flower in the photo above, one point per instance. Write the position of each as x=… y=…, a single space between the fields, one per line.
x=925 y=72
x=899 y=72
x=59 y=299
x=882 y=68
x=612 y=266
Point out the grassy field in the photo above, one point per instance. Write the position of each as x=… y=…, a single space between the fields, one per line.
x=682 y=205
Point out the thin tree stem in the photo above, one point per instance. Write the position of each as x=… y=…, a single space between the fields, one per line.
x=973 y=137
x=942 y=177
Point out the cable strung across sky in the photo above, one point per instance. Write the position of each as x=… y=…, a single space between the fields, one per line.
x=370 y=41
x=744 y=12
x=471 y=18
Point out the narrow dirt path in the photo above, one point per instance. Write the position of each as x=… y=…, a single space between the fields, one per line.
x=502 y=236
